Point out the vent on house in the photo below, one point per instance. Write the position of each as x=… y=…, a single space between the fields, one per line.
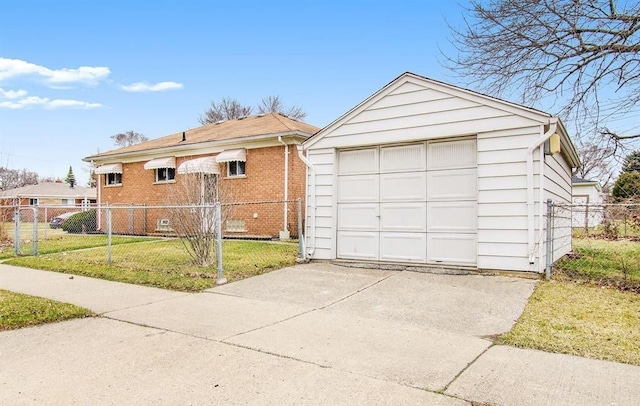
x=163 y=225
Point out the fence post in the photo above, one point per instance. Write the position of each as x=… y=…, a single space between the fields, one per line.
x=46 y=220
x=301 y=250
x=549 y=256
x=34 y=243
x=221 y=280
x=109 y=232
x=16 y=231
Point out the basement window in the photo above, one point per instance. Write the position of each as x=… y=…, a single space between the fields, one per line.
x=235 y=226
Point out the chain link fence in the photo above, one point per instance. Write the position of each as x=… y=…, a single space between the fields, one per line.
x=604 y=243
x=210 y=242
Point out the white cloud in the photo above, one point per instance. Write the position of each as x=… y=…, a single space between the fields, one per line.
x=146 y=87
x=88 y=75
x=12 y=94
x=47 y=103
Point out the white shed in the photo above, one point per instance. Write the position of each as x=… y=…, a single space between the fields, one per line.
x=429 y=173
x=587 y=209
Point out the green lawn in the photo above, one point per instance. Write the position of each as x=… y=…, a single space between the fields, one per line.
x=68 y=242
x=602 y=261
x=165 y=264
x=583 y=320
x=18 y=310
x=591 y=308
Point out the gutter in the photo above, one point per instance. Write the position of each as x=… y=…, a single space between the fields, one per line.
x=311 y=204
x=538 y=143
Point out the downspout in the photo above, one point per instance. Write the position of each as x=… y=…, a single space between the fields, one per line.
x=311 y=185
x=542 y=205
x=285 y=226
x=99 y=216
x=553 y=125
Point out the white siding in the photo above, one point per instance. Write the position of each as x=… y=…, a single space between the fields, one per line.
x=502 y=197
x=322 y=236
x=409 y=113
x=557 y=187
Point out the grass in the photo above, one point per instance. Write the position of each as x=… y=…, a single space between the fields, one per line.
x=165 y=264
x=578 y=319
x=69 y=242
x=605 y=262
x=18 y=310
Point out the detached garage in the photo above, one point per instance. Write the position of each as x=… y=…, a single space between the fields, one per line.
x=423 y=172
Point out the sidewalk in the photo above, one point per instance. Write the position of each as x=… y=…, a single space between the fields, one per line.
x=275 y=339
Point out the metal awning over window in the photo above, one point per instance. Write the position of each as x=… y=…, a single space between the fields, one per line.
x=232 y=155
x=108 y=168
x=161 y=163
x=199 y=165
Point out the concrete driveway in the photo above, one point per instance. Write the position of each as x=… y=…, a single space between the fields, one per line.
x=309 y=334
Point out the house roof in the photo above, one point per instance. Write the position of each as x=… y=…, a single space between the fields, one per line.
x=271 y=124
x=460 y=92
x=50 y=190
x=575 y=180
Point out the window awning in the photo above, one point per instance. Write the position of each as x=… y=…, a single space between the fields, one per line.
x=161 y=163
x=232 y=155
x=108 y=168
x=199 y=165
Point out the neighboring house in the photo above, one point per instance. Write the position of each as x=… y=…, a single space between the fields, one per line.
x=249 y=159
x=57 y=197
x=587 y=210
x=429 y=173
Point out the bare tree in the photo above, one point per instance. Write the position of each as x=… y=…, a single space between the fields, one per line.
x=274 y=104
x=578 y=52
x=226 y=109
x=192 y=214
x=15 y=178
x=128 y=138
x=598 y=161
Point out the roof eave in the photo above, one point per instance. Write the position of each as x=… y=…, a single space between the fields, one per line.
x=197 y=145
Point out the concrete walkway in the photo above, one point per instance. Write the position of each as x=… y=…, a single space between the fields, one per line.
x=310 y=334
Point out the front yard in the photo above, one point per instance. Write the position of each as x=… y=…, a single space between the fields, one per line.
x=161 y=263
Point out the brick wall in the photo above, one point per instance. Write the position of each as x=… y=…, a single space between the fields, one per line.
x=263 y=180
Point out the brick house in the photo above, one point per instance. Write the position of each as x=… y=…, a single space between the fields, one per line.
x=53 y=198
x=247 y=160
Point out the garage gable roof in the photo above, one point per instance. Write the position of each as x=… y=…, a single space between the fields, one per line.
x=417 y=82
x=393 y=95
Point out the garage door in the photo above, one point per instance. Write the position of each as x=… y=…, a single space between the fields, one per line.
x=408 y=203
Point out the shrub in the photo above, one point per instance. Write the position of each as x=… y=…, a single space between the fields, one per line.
x=83 y=222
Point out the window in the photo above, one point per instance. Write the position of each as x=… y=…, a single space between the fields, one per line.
x=165 y=174
x=113 y=178
x=33 y=202
x=235 y=168
x=235 y=226
x=67 y=202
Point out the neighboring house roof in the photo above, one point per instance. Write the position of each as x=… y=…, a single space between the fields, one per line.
x=54 y=190
x=576 y=181
x=241 y=129
x=567 y=146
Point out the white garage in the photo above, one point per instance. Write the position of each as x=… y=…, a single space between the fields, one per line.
x=428 y=173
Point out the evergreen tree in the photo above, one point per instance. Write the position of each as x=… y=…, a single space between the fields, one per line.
x=632 y=162
x=70 y=179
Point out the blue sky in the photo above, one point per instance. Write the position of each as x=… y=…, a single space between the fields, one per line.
x=73 y=73
x=65 y=65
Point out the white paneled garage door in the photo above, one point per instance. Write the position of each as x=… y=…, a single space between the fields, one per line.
x=409 y=203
